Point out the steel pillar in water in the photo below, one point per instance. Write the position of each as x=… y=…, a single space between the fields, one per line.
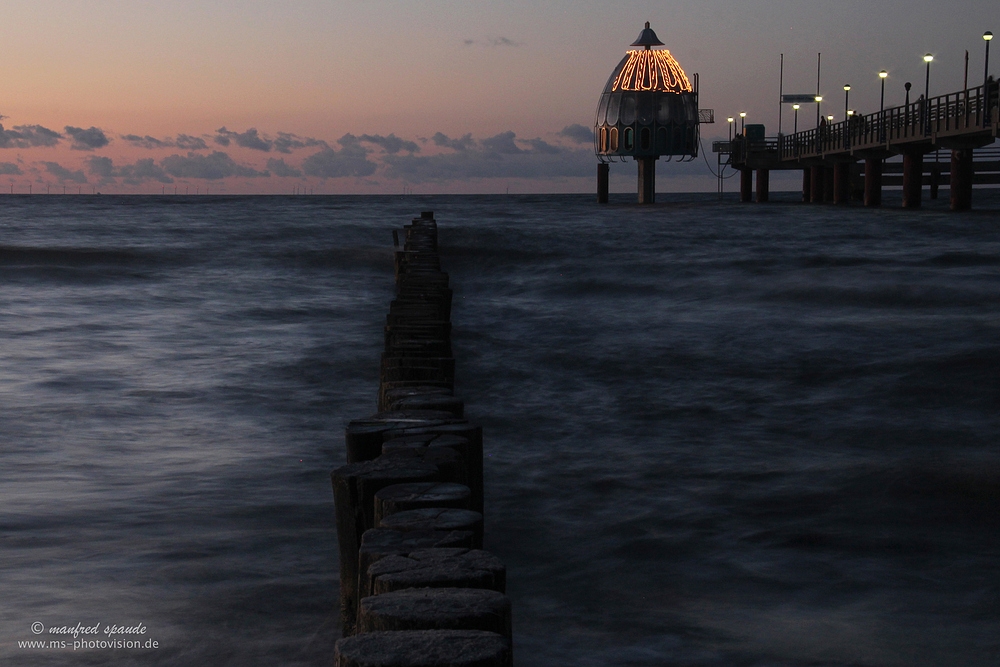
x=603 y=170
x=647 y=179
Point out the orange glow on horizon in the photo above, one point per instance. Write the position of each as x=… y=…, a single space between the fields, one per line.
x=650 y=69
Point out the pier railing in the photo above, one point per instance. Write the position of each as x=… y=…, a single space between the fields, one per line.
x=965 y=112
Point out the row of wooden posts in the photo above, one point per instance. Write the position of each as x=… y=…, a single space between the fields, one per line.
x=416 y=587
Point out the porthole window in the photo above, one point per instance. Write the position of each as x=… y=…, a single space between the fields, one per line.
x=661 y=140
x=628 y=109
x=645 y=108
x=629 y=138
x=613 y=102
x=604 y=140
x=614 y=139
x=644 y=136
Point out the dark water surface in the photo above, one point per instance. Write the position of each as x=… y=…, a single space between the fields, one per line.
x=715 y=434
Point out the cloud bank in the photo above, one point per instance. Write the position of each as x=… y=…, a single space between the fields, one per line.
x=378 y=158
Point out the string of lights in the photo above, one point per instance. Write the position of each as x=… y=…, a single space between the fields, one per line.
x=652 y=70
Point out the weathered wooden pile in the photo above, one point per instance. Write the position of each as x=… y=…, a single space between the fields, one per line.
x=416 y=588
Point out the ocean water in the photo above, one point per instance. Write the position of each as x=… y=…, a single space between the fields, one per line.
x=715 y=434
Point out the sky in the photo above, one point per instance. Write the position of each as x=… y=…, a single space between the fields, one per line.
x=419 y=96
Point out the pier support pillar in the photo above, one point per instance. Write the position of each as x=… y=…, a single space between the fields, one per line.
x=647 y=179
x=603 y=170
x=961 y=179
x=816 y=185
x=828 y=184
x=806 y=173
x=746 y=184
x=873 y=182
x=763 y=184
x=842 y=183
x=913 y=175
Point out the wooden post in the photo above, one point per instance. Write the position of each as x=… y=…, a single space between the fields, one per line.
x=456 y=648
x=746 y=184
x=873 y=182
x=436 y=609
x=842 y=183
x=354 y=489
x=439 y=568
x=647 y=179
x=961 y=179
x=763 y=184
x=437 y=518
x=402 y=497
x=816 y=185
x=603 y=170
x=913 y=174
x=806 y=173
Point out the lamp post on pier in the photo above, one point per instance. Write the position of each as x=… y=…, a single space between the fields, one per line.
x=819 y=99
x=796 y=128
x=882 y=75
x=743 y=122
x=730 y=119
x=927 y=94
x=847 y=97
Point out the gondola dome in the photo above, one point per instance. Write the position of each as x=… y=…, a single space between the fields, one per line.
x=648 y=106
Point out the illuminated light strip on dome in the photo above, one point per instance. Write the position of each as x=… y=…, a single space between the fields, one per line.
x=652 y=70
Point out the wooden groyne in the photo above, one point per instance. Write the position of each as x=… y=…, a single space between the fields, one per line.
x=416 y=588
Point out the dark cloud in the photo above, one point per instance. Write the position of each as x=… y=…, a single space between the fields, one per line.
x=577 y=133
x=146 y=141
x=142 y=171
x=190 y=143
x=495 y=157
x=496 y=41
x=502 y=143
x=9 y=168
x=287 y=142
x=102 y=167
x=28 y=136
x=464 y=143
x=351 y=160
x=64 y=174
x=391 y=143
x=279 y=168
x=540 y=146
x=132 y=174
x=249 y=139
x=209 y=167
x=87 y=140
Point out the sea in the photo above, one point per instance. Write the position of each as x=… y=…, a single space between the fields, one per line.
x=716 y=434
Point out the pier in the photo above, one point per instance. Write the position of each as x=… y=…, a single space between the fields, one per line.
x=416 y=587
x=828 y=155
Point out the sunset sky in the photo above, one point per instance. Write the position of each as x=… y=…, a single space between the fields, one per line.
x=261 y=96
